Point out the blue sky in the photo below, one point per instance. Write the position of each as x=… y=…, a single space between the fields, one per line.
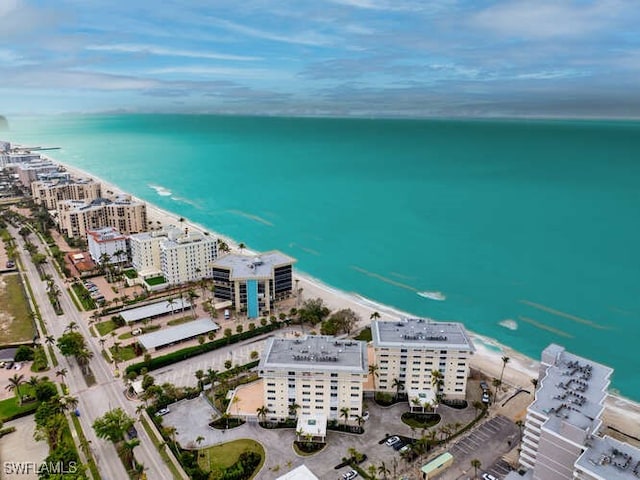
x=322 y=57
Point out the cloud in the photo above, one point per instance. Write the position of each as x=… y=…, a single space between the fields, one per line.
x=547 y=18
x=169 y=52
x=30 y=78
x=258 y=73
x=309 y=38
x=394 y=5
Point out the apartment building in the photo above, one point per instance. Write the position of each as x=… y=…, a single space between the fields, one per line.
x=409 y=350
x=107 y=243
x=320 y=374
x=608 y=459
x=50 y=192
x=565 y=413
x=179 y=255
x=33 y=170
x=253 y=283
x=76 y=217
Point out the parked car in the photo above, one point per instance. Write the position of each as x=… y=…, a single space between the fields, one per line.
x=9 y=365
x=405 y=448
x=77 y=412
x=349 y=475
x=484 y=386
x=488 y=476
x=391 y=441
x=485 y=397
x=163 y=411
x=132 y=433
x=137 y=331
x=17 y=366
x=365 y=415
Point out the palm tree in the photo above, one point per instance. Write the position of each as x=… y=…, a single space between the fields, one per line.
x=83 y=357
x=415 y=402
x=476 y=464
x=293 y=409
x=373 y=371
x=398 y=385
x=505 y=360
x=241 y=246
x=170 y=303
x=372 y=471
x=262 y=412
x=71 y=327
x=344 y=412
x=199 y=375
x=496 y=382
x=359 y=420
x=212 y=375
x=62 y=373
x=69 y=402
x=14 y=385
x=534 y=382
x=383 y=470
x=199 y=440
x=128 y=448
x=50 y=339
x=437 y=382
x=374 y=316
x=34 y=381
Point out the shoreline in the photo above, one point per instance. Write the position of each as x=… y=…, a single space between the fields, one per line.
x=620 y=412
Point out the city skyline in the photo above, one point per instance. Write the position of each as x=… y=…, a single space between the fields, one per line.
x=332 y=57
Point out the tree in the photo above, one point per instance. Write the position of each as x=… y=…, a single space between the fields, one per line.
x=72 y=327
x=505 y=360
x=534 y=382
x=293 y=409
x=344 y=412
x=372 y=471
x=71 y=343
x=199 y=375
x=313 y=311
x=50 y=339
x=127 y=448
x=14 y=385
x=199 y=440
x=476 y=464
x=262 y=412
x=69 y=402
x=374 y=316
x=383 y=470
x=113 y=425
x=398 y=385
x=83 y=357
x=437 y=382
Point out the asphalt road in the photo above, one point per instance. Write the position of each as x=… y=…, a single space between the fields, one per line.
x=107 y=393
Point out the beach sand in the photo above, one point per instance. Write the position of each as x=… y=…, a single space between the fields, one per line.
x=620 y=413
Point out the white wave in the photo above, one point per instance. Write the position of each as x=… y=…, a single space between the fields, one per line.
x=433 y=295
x=509 y=323
x=160 y=190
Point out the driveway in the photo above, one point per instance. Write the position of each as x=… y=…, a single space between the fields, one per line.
x=191 y=418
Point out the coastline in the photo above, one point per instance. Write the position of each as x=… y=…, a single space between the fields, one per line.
x=621 y=413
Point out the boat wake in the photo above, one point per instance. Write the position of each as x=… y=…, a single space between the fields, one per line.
x=433 y=295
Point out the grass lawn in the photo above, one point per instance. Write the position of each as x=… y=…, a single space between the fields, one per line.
x=130 y=273
x=84 y=296
x=13 y=304
x=124 y=353
x=365 y=335
x=10 y=407
x=153 y=281
x=180 y=320
x=420 y=420
x=105 y=327
x=223 y=456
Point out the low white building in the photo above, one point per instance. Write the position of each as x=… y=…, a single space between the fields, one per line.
x=108 y=244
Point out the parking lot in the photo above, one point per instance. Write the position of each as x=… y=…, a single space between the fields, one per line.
x=487 y=443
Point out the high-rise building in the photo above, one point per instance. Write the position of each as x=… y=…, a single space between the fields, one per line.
x=253 y=283
x=314 y=375
x=408 y=351
x=49 y=193
x=107 y=244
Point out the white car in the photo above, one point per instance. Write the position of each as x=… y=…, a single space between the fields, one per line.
x=163 y=411
x=488 y=476
x=391 y=441
x=17 y=366
x=365 y=415
x=349 y=475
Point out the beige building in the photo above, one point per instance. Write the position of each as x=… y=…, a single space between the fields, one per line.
x=408 y=351
x=179 y=255
x=49 y=193
x=126 y=215
x=319 y=374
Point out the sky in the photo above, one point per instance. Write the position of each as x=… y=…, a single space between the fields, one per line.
x=414 y=58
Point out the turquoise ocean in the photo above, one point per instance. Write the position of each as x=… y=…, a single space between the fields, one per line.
x=529 y=229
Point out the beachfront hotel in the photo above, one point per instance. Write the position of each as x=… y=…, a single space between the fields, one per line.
x=409 y=350
x=253 y=282
x=561 y=438
x=178 y=255
x=107 y=244
x=49 y=192
x=77 y=217
x=320 y=374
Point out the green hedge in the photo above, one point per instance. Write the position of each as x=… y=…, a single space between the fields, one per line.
x=189 y=352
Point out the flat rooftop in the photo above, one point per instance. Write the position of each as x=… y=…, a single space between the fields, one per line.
x=573 y=390
x=299 y=473
x=106 y=234
x=608 y=458
x=155 y=310
x=315 y=353
x=246 y=267
x=421 y=333
x=184 y=331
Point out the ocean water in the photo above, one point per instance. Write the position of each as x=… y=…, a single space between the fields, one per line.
x=528 y=229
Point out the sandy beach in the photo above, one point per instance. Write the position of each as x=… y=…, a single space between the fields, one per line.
x=620 y=413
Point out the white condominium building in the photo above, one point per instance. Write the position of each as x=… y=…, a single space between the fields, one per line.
x=180 y=256
x=319 y=374
x=409 y=350
x=565 y=413
x=108 y=244
x=49 y=193
x=126 y=215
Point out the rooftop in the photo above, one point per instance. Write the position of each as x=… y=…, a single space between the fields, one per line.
x=312 y=424
x=608 y=458
x=316 y=352
x=155 y=310
x=572 y=390
x=299 y=473
x=184 y=331
x=421 y=333
x=245 y=267
x=106 y=234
